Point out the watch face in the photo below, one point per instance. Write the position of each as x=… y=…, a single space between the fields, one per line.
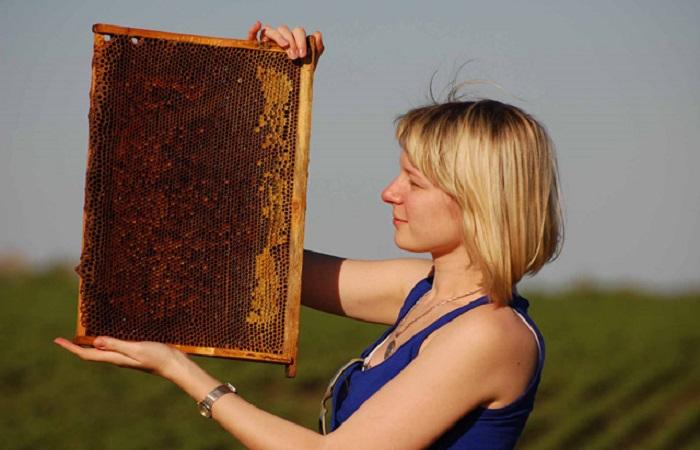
x=204 y=410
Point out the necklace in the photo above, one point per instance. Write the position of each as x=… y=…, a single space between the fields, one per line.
x=391 y=346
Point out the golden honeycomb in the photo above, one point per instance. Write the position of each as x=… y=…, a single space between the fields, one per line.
x=195 y=194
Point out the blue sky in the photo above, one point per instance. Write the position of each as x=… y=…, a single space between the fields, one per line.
x=617 y=84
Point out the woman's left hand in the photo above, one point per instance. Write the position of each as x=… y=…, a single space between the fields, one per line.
x=292 y=40
x=151 y=357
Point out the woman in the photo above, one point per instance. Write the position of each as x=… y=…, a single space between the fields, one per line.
x=459 y=367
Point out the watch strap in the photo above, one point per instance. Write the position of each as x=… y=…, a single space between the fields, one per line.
x=216 y=393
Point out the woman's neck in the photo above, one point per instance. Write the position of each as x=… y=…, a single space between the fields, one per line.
x=453 y=275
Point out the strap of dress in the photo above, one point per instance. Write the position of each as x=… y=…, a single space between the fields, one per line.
x=413 y=296
x=416 y=293
x=419 y=337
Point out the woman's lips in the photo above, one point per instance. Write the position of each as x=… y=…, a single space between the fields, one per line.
x=398 y=221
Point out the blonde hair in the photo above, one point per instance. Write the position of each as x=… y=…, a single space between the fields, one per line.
x=499 y=164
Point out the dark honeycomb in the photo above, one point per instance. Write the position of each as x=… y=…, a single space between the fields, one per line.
x=188 y=195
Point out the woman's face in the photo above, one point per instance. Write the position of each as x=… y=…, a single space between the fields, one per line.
x=426 y=219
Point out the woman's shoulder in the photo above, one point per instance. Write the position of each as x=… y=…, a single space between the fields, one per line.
x=506 y=347
x=497 y=328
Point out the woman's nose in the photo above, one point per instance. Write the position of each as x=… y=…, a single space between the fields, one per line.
x=391 y=193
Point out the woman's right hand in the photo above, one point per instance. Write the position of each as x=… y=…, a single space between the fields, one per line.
x=293 y=41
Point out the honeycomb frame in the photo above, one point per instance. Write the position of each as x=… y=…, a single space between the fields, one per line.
x=195 y=194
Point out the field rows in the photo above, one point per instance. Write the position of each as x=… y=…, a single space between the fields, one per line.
x=622 y=372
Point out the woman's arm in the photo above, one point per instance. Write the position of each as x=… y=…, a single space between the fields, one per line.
x=372 y=291
x=462 y=367
x=255 y=428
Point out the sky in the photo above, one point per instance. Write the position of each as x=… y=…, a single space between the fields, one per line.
x=616 y=84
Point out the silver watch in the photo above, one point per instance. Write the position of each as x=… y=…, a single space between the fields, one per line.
x=214 y=395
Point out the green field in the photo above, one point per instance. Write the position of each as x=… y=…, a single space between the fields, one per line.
x=622 y=372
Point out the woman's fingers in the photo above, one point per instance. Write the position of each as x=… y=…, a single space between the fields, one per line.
x=151 y=357
x=253 y=31
x=98 y=355
x=319 y=42
x=293 y=41
x=292 y=51
x=134 y=350
x=117 y=345
x=115 y=358
x=271 y=34
x=300 y=39
x=71 y=347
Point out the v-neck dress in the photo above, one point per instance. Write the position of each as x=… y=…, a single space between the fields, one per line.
x=481 y=428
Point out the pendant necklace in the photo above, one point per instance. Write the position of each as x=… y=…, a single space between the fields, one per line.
x=391 y=346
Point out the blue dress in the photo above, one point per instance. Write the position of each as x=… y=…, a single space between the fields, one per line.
x=480 y=429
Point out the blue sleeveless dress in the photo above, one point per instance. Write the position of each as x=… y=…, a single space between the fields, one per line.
x=480 y=429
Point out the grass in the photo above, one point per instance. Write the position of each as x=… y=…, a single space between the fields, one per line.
x=622 y=372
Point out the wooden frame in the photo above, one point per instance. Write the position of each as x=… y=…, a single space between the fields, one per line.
x=90 y=255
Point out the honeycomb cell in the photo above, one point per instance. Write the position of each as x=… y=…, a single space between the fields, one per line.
x=195 y=194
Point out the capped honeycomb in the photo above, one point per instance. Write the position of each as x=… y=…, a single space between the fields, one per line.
x=195 y=194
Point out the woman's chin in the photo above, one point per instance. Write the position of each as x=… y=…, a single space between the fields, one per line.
x=435 y=248
x=409 y=246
